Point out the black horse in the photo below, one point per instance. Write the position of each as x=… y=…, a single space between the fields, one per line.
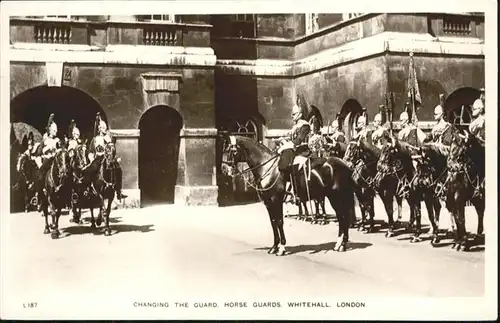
x=103 y=176
x=362 y=158
x=56 y=190
x=263 y=163
x=465 y=182
x=26 y=170
x=395 y=176
x=82 y=195
x=429 y=182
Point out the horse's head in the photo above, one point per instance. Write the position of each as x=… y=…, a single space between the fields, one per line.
x=389 y=155
x=78 y=158
x=353 y=152
x=459 y=156
x=232 y=154
x=26 y=167
x=109 y=152
x=62 y=164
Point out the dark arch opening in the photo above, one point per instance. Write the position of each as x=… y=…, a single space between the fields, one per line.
x=159 y=142
x=349 y=113
x=457 y=105
x=34 y=106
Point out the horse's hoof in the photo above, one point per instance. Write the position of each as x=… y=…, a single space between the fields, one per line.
x=93 y=226
x=281 y=252
x=341 y=248
x=46 y=231
x=415 y=240
x=107 y=232
x=273 y=250
x=389 y=234
x=98 y=222
x=54 y=234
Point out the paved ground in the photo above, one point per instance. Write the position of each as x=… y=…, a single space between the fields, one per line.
x=222 y=253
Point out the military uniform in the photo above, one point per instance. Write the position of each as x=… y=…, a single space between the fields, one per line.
x=365 y=134
x=477 y=128
x=73 y=143
x=412 y=135
x=380 y=136
x=441 y=133
x=297 y=144
x=338 y=136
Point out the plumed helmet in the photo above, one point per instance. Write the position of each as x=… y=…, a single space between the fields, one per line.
x=438 y=109
x=403 y=116
x=378 y=118
x=361 y=119
x=335 y=123
x=51 y=124
x=478 y=104
x=73 y=128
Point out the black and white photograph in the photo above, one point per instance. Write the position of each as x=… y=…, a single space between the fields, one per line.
x=249 y=160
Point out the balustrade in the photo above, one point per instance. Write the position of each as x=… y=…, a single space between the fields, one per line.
x=457 y=26
x=160 y=36
x=53 y=33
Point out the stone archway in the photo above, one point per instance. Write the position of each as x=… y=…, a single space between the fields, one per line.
x=457 y=105
x=349 y=113
x=34 y=106
x=159 y=143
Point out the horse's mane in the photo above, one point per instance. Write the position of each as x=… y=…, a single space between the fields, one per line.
x=256 y=143
x=437 y=148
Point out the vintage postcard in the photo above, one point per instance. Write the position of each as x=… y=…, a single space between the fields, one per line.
x=249 y=160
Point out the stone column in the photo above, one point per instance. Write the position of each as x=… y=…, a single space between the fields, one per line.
x=196 y=179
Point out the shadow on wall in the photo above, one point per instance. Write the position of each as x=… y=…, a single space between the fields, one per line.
x=159 y=143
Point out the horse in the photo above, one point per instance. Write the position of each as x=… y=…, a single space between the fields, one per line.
x=465 y=182
x=263 y=162
x=82 y=193
x=102 y=172
x=26 y=169
x=362 y=158
x=56 y=190
x=429 y=183
x=395 y=177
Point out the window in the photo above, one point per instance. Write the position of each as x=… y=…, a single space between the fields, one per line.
x=461 y=116
x=244 y=128
x=311 y=23
x=158 y=18
x=350 y=15
x=57 y=17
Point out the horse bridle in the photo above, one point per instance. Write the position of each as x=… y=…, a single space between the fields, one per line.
x=235 y=148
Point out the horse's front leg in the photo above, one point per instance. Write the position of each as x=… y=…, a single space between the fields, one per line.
x=278 y=212
x=274 y=226
x=387 y=200
x=107 y=230
x=54 y=212
x=415 y=205
x=429 y=201
x=45 y=214
x=370 y=206
x=399 y=202
x=479 y=205
x=102 y=209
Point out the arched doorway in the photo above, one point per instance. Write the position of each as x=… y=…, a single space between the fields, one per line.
x=159 y=142
x=457 y=106
x=349 y=113
x=30 y=110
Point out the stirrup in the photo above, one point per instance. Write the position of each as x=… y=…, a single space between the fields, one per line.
x=34 y=201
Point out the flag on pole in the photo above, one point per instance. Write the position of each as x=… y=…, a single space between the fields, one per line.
x=413 y=89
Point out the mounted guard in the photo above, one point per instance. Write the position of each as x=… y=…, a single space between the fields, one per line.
x=45 y=153
x=380 y=135
x=337 y=135
x=101 y=139
x=74 y=135
x=295 y=144
x=363 y=131
x=477 y=126
x=442 y=132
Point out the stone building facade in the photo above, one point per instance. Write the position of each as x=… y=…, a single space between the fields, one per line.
x=166 y=84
